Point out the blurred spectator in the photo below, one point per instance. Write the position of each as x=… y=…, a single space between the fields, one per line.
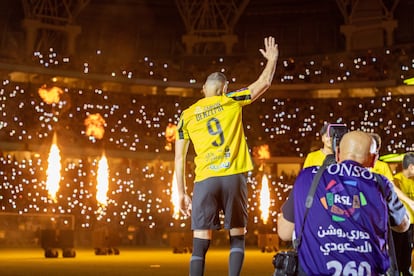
x=404 y=241
x=316 y=158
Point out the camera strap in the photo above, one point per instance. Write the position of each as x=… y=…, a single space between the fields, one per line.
x=309 y=199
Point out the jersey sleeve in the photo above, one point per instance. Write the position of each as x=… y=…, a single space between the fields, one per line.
x=396 y=210
x=300 y=187
x=288 y=208
x=242 y=96
x=182 y=132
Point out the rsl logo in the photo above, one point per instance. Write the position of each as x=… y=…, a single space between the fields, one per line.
x=343 y=206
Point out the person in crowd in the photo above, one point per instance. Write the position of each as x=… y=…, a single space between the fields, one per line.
x=404 y=180
x=316 y=158
x=347 y=225
x=214 y=126
x=381 y=167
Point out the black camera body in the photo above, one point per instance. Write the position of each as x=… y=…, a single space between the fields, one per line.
x=335 y=132
x=286 y=263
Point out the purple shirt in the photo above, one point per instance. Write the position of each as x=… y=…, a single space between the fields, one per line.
x=346 y=228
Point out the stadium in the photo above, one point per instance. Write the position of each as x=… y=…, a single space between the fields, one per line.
x=92 y=90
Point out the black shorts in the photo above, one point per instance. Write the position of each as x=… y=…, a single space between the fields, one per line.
x=226 y=193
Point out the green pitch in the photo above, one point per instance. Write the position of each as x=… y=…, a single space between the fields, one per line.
x=145 y=262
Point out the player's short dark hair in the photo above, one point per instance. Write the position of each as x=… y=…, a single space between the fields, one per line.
x=324 y=129
x=408 y=160
x=217 y=76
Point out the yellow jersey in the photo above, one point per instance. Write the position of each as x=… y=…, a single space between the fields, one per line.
x=214 y=126
x=406 y=185
x=381 y=167
x=314 y=158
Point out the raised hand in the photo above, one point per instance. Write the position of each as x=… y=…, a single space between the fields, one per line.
x=271 y=50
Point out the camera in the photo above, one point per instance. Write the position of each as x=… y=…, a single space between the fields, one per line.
x=335 y=132
x=285 y=263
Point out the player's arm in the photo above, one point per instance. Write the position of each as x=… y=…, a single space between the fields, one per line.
x=404 y=197
x=181 y=149
x=271 y=53
x=397 y=213
x=401 y=195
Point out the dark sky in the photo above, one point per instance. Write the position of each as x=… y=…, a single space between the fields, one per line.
x=303 y=27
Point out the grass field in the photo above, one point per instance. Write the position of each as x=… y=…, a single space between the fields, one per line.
x=145 y=262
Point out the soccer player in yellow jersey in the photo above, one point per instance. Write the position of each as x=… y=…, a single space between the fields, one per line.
x=316 y=158
x=214 y=125
x=383 y=168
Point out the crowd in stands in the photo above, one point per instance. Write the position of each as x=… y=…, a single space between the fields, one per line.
x=395 y=63
x=139 y=189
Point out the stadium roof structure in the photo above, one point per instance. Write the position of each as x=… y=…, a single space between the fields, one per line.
x=125 y=31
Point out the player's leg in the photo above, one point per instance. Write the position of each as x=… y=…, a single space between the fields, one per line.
x=201 y=243
x=237 y=247
x=204 y=218
x=235 y=209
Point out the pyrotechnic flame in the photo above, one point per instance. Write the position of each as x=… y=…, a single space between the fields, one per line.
x=95 y=125
x=102 y=182
x=170 y=135
x=265 y=199
x=263 y=152
x=174 y=197
x=53 y=171
x=50 y=95
x=170 y=132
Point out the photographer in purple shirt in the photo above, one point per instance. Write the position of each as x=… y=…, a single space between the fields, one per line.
x=346 y=229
